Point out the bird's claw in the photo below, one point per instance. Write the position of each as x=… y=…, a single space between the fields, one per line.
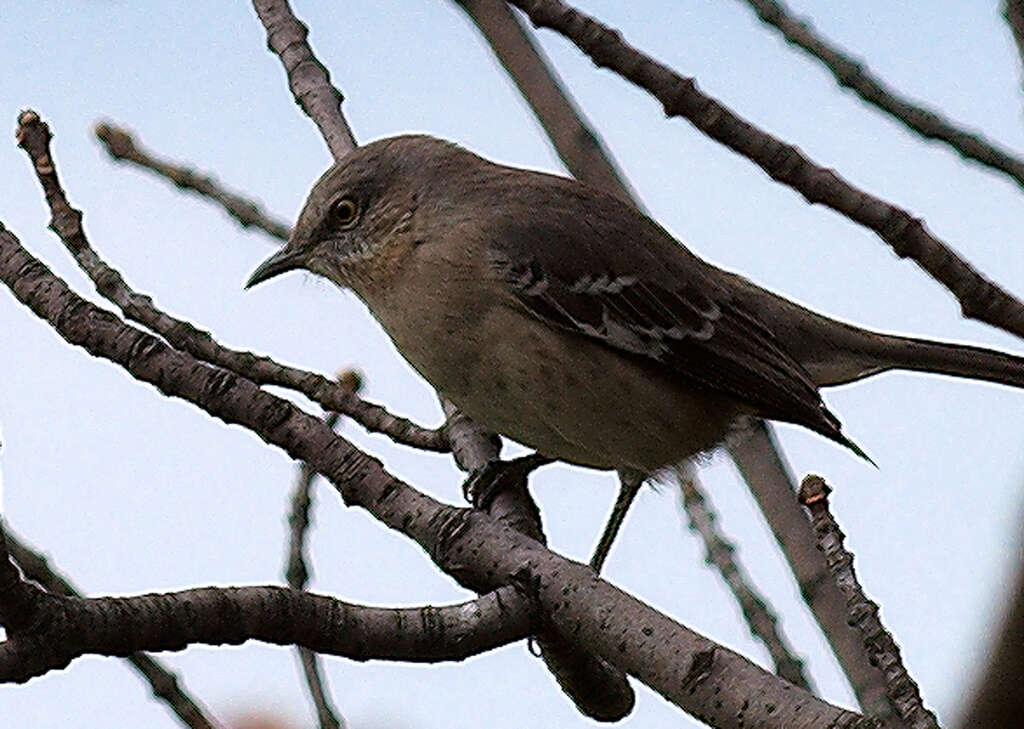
x=484 y=483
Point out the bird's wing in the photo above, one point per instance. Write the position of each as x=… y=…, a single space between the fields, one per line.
x=616 y=277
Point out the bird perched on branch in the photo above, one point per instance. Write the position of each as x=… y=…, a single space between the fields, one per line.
x=563 y=317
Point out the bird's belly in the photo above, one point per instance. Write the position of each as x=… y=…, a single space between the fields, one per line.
x=566 y=396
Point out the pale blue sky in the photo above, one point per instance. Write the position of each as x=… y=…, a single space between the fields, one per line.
x=131 y=492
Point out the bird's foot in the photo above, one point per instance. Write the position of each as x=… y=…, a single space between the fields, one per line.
x=483 y=484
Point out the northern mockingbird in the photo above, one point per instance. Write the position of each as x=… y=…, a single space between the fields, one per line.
x=562 y=317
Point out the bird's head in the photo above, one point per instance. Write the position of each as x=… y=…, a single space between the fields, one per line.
x=358 y=220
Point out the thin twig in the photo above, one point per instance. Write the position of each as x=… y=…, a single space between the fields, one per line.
x=297 y=574
x=165 y=685
x=34 y=137
x=979 y=297
x=853 y=74
x=775 y=496
x=297 y=571
x=863 y=612
x=720 y=553
x=122 y=146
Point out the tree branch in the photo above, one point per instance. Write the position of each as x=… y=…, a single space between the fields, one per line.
x=308 y=79
x=65 y=628
x=578 y=145
x=854 y=75
x=908 y=237
x=297 y=575
x=1013 y=11
x=165 y=685
x=776 y=498
x=122 y=147
x=902 y=690
x=759 y=460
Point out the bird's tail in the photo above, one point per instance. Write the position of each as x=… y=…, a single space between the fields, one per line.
x=883 y=352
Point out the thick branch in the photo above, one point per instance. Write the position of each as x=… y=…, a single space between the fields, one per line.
x=707 y=680
x=979 y=297
x=119 y=626
x=165 y=685
x=854 y=75
x=34 y=137
x=903 y=691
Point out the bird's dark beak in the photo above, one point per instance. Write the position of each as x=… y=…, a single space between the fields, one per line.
x=284 y=260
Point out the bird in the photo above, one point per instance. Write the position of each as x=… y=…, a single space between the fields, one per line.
x=563 y=317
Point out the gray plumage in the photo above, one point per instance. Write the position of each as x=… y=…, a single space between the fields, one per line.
x=564 y=318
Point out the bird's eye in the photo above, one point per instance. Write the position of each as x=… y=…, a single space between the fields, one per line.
x=344 y=212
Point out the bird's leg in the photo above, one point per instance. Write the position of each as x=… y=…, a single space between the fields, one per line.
x=629 y=485
x=484 y=483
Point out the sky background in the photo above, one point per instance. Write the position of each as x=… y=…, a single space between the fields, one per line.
x=130 y=492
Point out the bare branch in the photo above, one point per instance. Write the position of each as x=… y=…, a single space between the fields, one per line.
x=720 y=554
x=123 y=147
x=165 y=685
x=776 y=496
x=853 y=74
x=576 y=142
x=902 y=690
x=309 y=81
x=721 y=687
x=69 y=627
x=979 y=297
x=34 y=137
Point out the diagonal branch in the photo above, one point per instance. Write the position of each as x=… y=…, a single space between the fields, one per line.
x=308 y=79
x=903 y=691
x=908 y=237
x=578 y=145
x=853 y=74
x=721 y=687
x=34 y=137
x=1013 y=11
x=776 y=497
x=720 y=554
x=165 y=685
x=123 y=147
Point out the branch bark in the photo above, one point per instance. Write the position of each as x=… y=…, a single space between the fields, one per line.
x=885 y=653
